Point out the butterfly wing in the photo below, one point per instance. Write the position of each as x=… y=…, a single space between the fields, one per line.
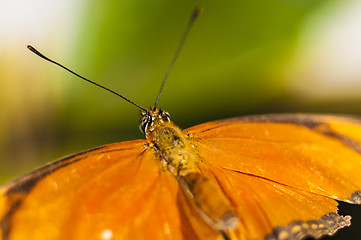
x=284 y=170
x=118 y=191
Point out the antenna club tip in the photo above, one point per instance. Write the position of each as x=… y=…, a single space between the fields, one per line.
x=31 y=48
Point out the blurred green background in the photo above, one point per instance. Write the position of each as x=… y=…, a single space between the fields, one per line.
x=241 y=57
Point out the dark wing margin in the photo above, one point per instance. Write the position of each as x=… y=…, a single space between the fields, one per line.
x=328 y=224
x=310 y=121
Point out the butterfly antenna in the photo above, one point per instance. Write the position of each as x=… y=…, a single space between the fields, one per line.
x=192 y=19
x=31 y=48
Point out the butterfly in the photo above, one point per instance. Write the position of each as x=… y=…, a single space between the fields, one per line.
x=257 y=177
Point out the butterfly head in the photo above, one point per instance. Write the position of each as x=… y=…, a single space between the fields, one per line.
x=152 y=118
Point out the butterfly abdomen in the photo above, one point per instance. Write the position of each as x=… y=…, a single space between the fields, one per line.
x=214 y=207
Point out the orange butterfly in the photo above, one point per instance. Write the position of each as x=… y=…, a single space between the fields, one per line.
x=260 y=177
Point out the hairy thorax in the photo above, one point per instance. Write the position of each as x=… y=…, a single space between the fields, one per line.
x=174 y=151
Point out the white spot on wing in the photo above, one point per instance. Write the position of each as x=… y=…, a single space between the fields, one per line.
x=166 y=229
x=107 y=234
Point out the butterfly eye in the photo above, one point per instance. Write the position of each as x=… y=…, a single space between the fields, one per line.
x=165 y=117
x=143 y=123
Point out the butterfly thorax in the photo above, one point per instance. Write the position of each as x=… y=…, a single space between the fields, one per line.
x=174 y=150
x=170 y=144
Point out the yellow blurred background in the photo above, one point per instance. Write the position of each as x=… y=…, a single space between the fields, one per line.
x=241 y=57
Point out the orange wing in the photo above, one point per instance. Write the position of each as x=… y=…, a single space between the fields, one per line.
x=117 y=191
x=283 y=172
